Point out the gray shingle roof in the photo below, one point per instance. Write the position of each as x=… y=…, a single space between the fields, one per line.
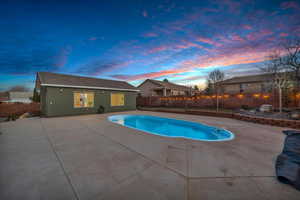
x=169 y=85
x=248 y=79
x=64 y=80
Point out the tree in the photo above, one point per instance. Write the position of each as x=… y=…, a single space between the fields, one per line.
x=196 y=88
x=280 y=73
x=36 y=96
x=209 y=87
x=292 y=60
x=166 y=80
x=215 y=77
x=18 y=88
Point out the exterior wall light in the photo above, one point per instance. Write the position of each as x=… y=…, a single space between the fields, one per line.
x=266 y=96
x=256 y=95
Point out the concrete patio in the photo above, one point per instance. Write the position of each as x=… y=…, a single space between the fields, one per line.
x=88 y=158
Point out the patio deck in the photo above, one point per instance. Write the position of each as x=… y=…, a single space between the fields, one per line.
x=87 y=157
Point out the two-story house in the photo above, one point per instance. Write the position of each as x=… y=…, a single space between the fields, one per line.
x=260 y=83
x=152 y=87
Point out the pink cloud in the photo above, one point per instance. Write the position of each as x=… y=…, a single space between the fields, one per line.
x=223 y=40
x=259 y=35
x=234 y=6
x=62 y=58
x=228 y=59
x=283 y=34
x=290 y=4
x=272 y=39
x=187 y=45
x=93 y=38
x=182 y=45
x=145 y=13
x=231 y=54
x=220 y=59
x=237 y=38
x=158 y=49
x=98 y=67
x=150 y=35
x=149 y=75
x=247 y=27
x=206 y=40
x=265 y=32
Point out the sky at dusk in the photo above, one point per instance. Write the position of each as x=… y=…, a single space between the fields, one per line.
x=138 y=39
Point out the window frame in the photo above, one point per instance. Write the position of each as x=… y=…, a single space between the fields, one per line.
x=111 y=99
x=87 y=103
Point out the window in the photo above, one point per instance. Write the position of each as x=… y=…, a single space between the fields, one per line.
x=83 y=100
x=117 y=99
x=242 y=88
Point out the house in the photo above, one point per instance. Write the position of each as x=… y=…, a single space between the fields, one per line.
x=62 y=94
x=152 y=87
x=260 y=83
x=20 y=97
x=4 y=97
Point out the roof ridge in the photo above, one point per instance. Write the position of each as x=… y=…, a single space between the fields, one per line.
x=263 y=74
x=50 y=78
x=78 y=76
x=171 y=83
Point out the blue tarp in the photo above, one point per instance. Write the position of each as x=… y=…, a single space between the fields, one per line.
x=288 y=162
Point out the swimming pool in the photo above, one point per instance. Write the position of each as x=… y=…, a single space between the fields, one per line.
x=172 y=127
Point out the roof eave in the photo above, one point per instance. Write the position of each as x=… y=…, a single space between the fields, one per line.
x=88 y=87
x=241 y=82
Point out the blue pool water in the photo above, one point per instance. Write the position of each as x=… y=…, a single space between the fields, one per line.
x=172 y=127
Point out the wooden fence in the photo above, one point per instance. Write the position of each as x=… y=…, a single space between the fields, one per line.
x=226 y=101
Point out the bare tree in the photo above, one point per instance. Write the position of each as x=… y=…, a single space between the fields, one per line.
x=279 y=72
x=292 y=60
x=215 y=77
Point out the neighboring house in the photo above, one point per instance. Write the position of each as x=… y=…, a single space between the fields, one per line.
x=4 y=97
x=162 y=88
x=248 y=84
x=21 y=97
x=62 y=94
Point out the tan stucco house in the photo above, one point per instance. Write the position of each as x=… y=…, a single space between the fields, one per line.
x=248 y=84
x=152 y=87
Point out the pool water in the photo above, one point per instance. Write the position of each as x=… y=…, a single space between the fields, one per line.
x=172 y=127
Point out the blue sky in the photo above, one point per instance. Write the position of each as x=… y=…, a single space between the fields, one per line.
x=138 y=39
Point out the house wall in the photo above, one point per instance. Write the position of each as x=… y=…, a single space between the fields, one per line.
x=43 y=103
x=146 y=89
x=178 y=92
x=60 y=101
x=247 y=88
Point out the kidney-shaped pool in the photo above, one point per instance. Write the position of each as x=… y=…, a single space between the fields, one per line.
x=172 y=127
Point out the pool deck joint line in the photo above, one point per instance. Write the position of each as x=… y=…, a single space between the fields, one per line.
x=60 y=162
